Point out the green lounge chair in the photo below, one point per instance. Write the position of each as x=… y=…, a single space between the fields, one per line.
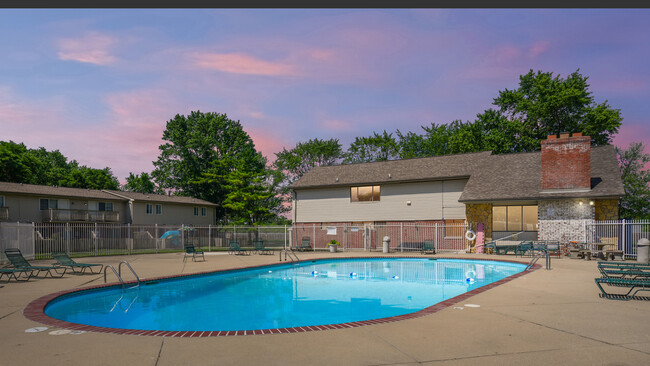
x=18 y=261
x=523 y=248
x=15 y=273
x=260 y=249
x=634 y=287
x=236 y=249
x=429 y=246
x=190 y=251
x=305 y=245
x=64 y=260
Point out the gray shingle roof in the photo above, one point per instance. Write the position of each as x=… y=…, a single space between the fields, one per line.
x=491 y=177
x=160 y=198
x=407 y=170
x=33 y=189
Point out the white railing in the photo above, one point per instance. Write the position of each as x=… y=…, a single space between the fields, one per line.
x=620 y=234
x=95 y=239
x=4 y=213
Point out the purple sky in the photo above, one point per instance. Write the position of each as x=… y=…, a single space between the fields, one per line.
x=99 y=85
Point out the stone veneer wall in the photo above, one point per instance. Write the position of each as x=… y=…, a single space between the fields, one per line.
x=564 y=220
x=480 y=212
x=607 y=209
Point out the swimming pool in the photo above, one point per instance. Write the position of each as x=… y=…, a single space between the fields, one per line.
x=308 y=294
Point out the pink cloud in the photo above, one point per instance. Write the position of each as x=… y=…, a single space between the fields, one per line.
x=93 y=48
x=266 y=141
x=336 y=125
x=239 y=63
x=629 y=133
x=538 y=48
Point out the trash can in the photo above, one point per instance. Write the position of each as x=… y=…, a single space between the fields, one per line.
x=386 y=243
x=642 y=248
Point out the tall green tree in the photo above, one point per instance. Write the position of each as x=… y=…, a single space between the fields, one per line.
x=378 y=147
x=16 y=165
x=547 y=105
x=294 y=163
x=195 y=143
x=141 y=183
x=636 y=181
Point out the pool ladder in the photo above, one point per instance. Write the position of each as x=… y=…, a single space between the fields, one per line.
x=289 y=253
x=118 y=273
x=537 y=257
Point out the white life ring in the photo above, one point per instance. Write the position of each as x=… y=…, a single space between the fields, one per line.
x=470 y=274
x=470 y=235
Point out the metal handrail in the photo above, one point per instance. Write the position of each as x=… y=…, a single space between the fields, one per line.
x=537 y=257
x=288 y=252
x=114 y=271
x=119 y=270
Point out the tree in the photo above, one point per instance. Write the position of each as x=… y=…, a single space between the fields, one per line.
x=636 y=181
x=248 y=200
x=85 y=177
x=15 y=164
x=294 y=163
x=547 y=105
x=194 y=146
x=373 y=148
x=141 y=183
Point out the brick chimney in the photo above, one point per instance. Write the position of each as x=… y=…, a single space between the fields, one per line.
x=566 y=162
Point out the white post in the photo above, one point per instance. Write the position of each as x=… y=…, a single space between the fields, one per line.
x=313 y=237
x=623 y=238
x=401 y=236
x=209 y=238
x=96 y=239
x=67 y=237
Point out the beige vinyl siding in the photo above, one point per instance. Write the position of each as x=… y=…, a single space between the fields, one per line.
x=451 y=191
x=172 y=214
x=428 y=202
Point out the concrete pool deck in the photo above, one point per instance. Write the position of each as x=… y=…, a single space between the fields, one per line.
x=544 y=317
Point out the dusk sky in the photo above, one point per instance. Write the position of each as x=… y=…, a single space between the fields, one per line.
x=100 y=85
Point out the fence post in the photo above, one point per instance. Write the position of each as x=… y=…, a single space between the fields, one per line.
x=401 y=236
x=623 y=239
x=285 y=236
x=95 y=237
x=436 y=236
x=313 y=237
x=209 y=238
x=128 y=238
x=67 y=238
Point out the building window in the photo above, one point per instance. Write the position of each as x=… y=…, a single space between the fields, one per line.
x=204 y=211
x=158 y=209
x=105 y=206
x=365 y=194
x=47 y=204
x=514 y=218
x=196 y=211
x=2 y=201
x=149 y=209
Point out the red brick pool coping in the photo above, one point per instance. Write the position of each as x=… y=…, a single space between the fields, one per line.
x=35 y=310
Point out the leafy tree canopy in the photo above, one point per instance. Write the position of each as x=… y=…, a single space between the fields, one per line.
x=39 y=166
x=195 y=145
x=141 y=183
x=373 y=148
x=294 y=163
x=636 y=181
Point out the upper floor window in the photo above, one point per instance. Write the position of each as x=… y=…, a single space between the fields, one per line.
x=2 y=201
x=196 y=211
x=204 y=211
x=158 y=209
x=149 y=209
x=105 y=206
x=514 y=218
x=364 y=194
x=47 y=204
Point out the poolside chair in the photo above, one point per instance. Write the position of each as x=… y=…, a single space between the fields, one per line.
x=553 y=248
x=634 y=285
x=190 y=251
x=305 y=245
x=429 y=246
x=260 y=249
x=18 y=261
x=236 y=249
x=629 y=271
x=15 y=273
x=64 y=260
x=523 y=248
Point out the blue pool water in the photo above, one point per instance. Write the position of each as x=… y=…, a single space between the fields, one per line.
x=281 y=296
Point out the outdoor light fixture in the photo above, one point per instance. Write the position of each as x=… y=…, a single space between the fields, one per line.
x=581 y=203
x=591 y=203
x=408 y=203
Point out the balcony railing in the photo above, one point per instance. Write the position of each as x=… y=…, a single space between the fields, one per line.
x=4 y=213
x=52 y=215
